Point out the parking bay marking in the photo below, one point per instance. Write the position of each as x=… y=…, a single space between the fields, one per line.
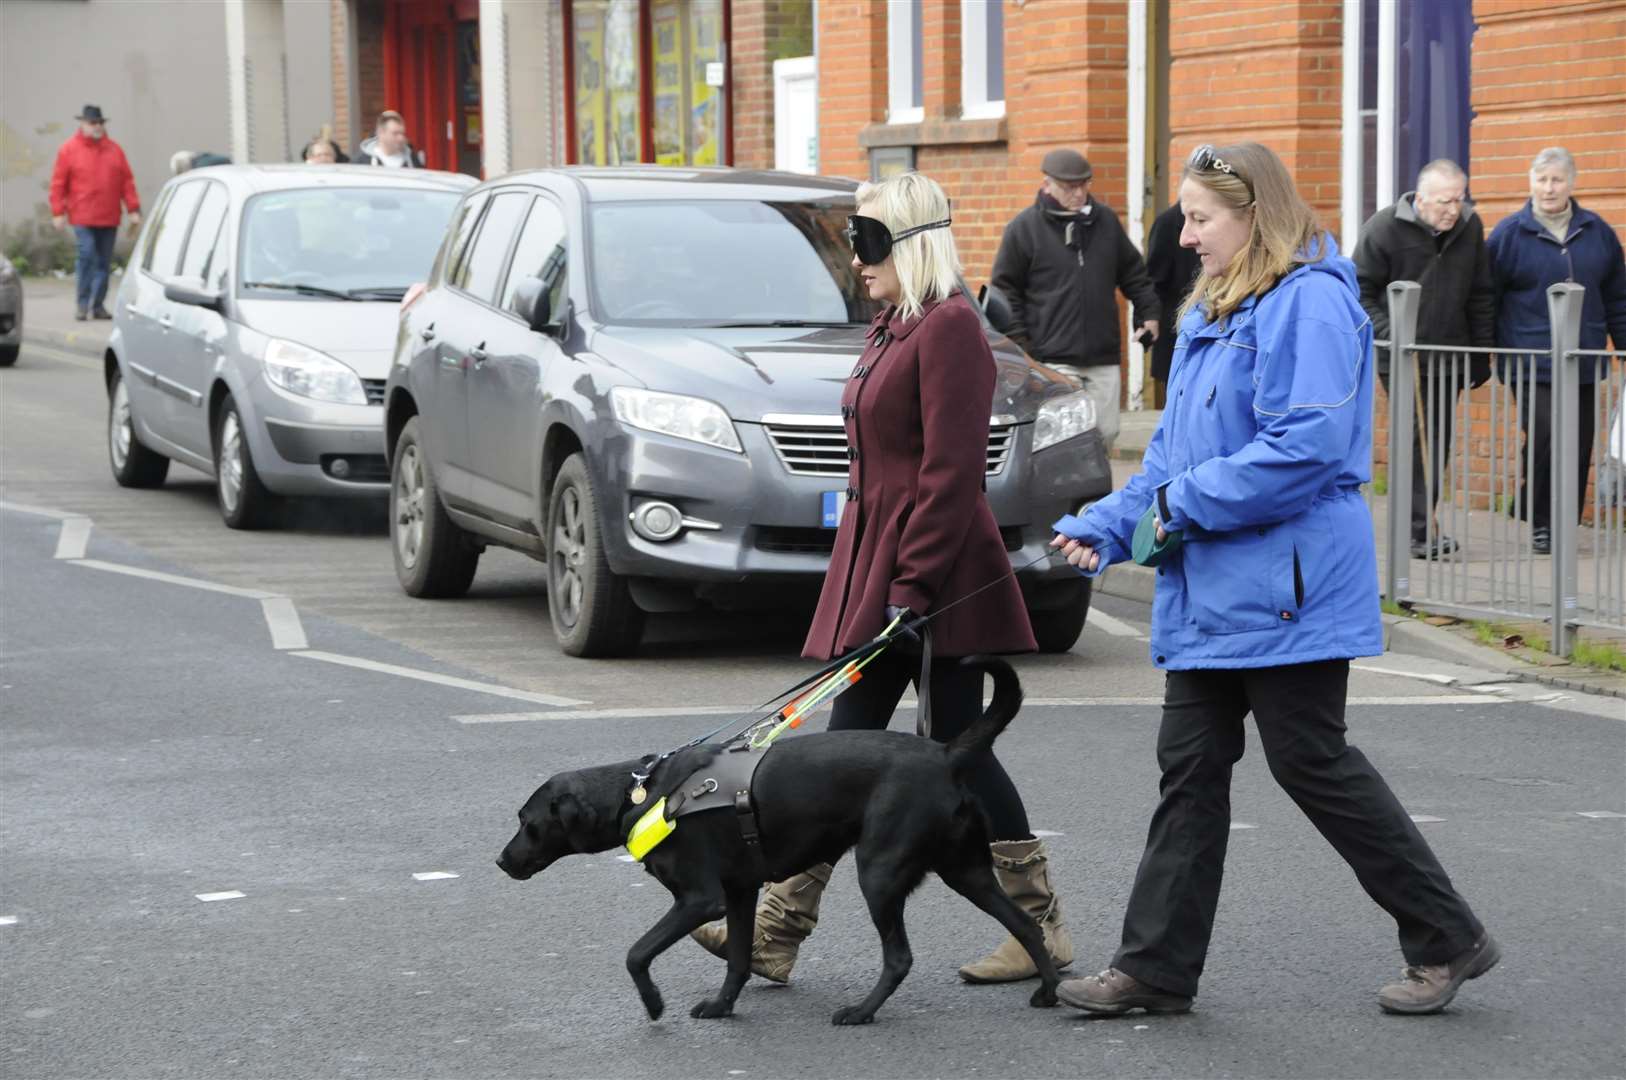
x=440 y=680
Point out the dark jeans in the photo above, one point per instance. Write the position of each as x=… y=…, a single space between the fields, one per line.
x=956 y=702
x=1435 y=394
x=1536 y=494
x=95 y=260
x=1299 y=710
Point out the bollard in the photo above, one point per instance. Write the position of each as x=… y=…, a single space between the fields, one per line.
x=1564 y=316
x=1403 y=296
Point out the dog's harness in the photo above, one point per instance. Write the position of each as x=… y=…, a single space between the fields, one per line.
x=723 y=783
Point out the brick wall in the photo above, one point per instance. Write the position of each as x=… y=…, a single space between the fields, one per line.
x=338 y=36
x=763 y=31
x=369 y=69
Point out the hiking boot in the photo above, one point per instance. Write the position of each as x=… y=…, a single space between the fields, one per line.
x=788 y=913
x=1113 y=993
x=1430 y=988
x=1021 y=866
x=80 y=315
x=1541 y=540
x=99 y=312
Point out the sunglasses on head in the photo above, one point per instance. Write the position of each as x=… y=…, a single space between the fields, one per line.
x=872 y=241
x=1206 y=159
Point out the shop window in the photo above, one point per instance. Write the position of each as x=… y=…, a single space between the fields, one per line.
x=982 y=58
x=905 y=97
x=670 y=54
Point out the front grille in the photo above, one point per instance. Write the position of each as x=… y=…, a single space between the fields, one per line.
x=375 y=390
x=794 y=541
x=817 y=445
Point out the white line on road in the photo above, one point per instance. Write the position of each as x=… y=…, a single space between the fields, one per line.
x=8 y=920
x=439 y=680
x=287 y=632
x=74 y=538
x=1116 y=627
x=174 y=579
x=434 y=875
x=1424 y=819
x=596 y=714
x=1043 y=833
x=1378 y=669
x=24 y=508
x=1599 y=814
x=211 y=897
x=1237 y=826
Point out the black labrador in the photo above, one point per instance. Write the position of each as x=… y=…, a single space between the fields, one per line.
x=901 y=800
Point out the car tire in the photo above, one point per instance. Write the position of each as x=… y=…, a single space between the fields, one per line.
x=244 y=501
x=8 y=354
x=434 y=558
x=1057 y=629
x=134 y=466
x=591 y=606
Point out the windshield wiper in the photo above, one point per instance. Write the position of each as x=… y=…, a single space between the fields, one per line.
x=776 y=322
x=379 y=292
x=302 y=289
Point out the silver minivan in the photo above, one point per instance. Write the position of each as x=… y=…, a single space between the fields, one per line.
x=253 y=330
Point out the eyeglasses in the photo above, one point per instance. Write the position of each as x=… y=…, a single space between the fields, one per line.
x=872 y=241
x=1206 y=159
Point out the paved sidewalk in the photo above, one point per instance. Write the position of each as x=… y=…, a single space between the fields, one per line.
x=48 y=304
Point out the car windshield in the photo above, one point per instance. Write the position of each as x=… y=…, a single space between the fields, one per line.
x=725 y=263
x=341 y=243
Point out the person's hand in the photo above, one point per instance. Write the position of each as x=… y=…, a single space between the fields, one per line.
x=904 y=617
x=1077 y=552
x=1161 y=534
x=135 y=220
x=1151 y=327
x=59 y=222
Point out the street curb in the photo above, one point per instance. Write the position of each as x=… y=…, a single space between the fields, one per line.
x=1128 y=581
x=82 y=342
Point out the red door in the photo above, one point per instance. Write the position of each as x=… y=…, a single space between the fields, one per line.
x=420 y=58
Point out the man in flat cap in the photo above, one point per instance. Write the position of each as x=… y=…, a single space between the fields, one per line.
x=90 y=181
x=1059 y=264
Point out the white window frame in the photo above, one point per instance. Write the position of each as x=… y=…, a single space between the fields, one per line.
x=974 y=102
x=903 y=30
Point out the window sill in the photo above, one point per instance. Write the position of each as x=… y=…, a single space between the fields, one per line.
x=934 y=133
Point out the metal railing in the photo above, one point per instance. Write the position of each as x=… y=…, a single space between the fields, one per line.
x=1491 y=481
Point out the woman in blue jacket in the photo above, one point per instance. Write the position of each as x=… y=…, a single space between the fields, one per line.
x=1553 y=239
x=1267 y=587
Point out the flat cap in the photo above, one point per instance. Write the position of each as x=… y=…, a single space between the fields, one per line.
x=1068 y=165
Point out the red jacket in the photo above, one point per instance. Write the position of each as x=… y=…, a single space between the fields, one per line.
x=90 y=178
x=917 y=531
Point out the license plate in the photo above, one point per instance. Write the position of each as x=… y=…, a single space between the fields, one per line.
x=834 y=503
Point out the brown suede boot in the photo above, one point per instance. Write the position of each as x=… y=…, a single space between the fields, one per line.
x=788 y=913
x=1021 y=868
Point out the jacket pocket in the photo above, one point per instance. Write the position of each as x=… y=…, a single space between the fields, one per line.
x=1241 y=581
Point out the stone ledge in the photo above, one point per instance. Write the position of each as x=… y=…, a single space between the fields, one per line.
x=933 y=133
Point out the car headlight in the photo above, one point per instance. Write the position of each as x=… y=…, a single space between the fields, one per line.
x=673 y=414
x=308 y=373
x=8 y=274
x=1063 y=417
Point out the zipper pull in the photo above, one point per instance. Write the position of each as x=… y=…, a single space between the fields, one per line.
x=1212 y=390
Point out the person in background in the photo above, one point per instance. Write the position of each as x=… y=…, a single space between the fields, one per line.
x=187 y=160
x=1249 y=505
x=1173 y=269
x=389 y=146
x=1433 y=237
x=1059 y=264
x=90 y=181
x=319 y=152
x=1552 y=239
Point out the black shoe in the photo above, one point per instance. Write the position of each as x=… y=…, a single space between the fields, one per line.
x=81 y=315
x=101 y=313
x=1443 y=546
x=1541 y=540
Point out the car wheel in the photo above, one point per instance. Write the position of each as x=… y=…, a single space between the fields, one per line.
x=433 y=557
x=591 y=607
x=134 y=466
x=1057 y=629
x=8 y=354
x=244 y=501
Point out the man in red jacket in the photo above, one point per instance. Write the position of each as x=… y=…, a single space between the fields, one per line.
x=91 y=178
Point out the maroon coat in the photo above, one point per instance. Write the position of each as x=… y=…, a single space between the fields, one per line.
x=917 y=531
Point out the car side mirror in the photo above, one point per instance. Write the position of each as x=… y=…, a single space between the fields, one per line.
x=531 y=304
x=996 y=307
x=193 y=291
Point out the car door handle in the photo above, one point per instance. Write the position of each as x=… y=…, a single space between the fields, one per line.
x=428 y=332
x=478 y=354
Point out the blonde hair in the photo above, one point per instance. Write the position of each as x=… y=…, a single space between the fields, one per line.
x=1283 y=231
x=928 y=263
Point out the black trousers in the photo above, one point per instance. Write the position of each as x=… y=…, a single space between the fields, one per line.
x=1536 y=421
x=1436 y=395
x=956 y=702
x=1299 y=710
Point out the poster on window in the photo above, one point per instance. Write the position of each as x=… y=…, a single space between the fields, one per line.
x=705 y=101
x=591 y=97
x=666 y=23
x=621 y=63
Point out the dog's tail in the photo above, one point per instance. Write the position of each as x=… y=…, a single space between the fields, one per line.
x=978 y=739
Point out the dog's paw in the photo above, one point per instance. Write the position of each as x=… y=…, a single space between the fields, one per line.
x=848 y=1015
x=654 y=1003
x=712 y=1009
x=1043 y=998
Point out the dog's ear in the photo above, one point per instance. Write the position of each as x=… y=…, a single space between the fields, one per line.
x=576 y=816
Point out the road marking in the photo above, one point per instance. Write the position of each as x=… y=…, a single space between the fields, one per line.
x=211 y=897
x=8 y=920
x=1116 y=627
x=1379 y=669
x=1424 y=819
x=58 y=355
x=174 y=579
x=73 y=539
x=1238 y=826
x=282 y=618
x=24 y=508
x=1599 y=814
x=1043 y=833
x=596 y=714
x=439 y=680
x=434 y=875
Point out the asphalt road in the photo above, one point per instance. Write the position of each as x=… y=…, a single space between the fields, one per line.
x=187 y=711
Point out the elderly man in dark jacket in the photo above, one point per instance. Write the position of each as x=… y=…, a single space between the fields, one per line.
x=1553 y=239
x=1433 y=237
x=1059 y=264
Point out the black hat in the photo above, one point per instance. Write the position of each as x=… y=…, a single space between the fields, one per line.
x=92 y=113
x=1066 y=165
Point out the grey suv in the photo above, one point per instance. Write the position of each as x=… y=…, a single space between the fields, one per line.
x=634 y=375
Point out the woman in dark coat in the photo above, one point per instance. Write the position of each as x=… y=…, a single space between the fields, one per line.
x=916 y=534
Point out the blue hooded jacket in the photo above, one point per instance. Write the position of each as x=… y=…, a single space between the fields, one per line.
x=1263 y=447
x=1526 y=259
